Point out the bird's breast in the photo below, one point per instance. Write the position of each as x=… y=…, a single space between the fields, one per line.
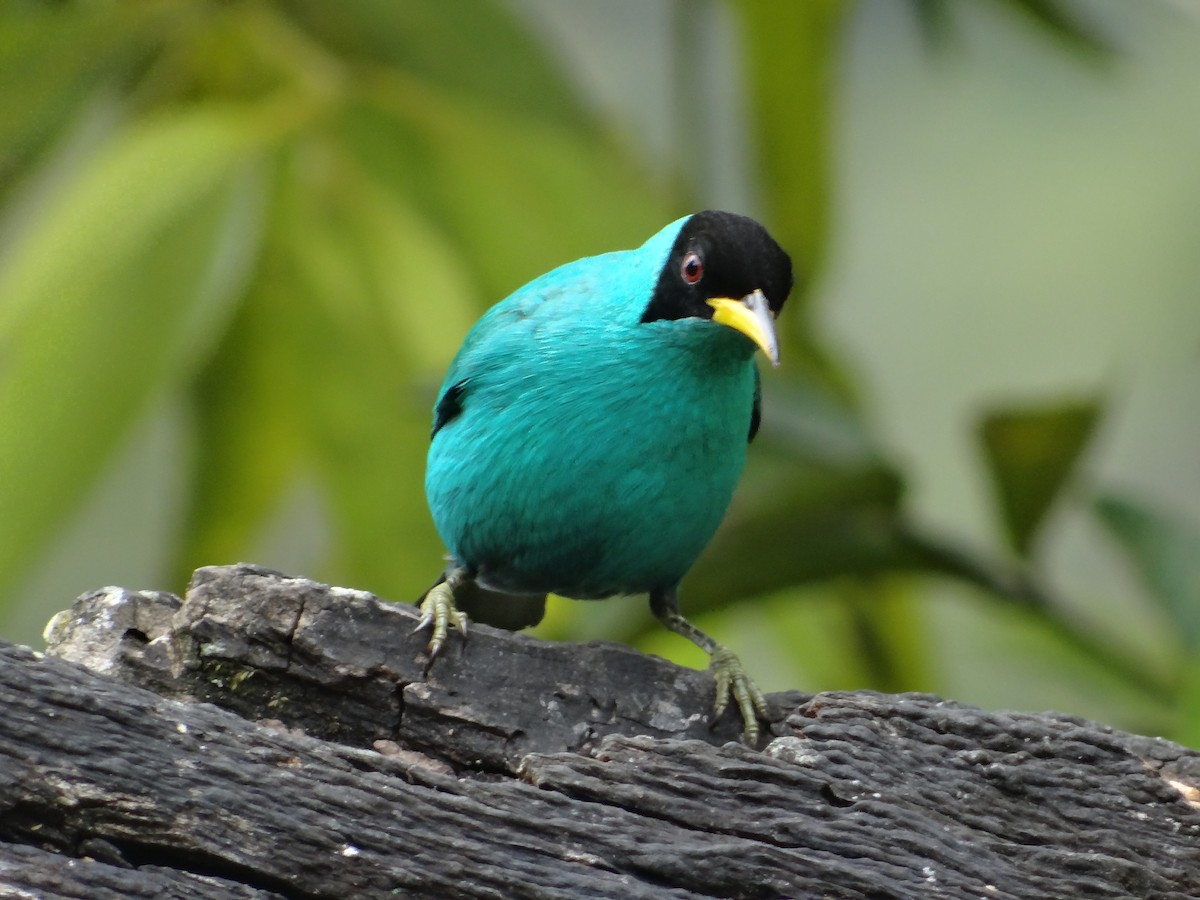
x=590 y=471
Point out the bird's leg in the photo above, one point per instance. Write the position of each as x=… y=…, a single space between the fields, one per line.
x=732 y=680
x=438 y=609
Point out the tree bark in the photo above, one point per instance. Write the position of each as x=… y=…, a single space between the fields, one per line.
x=273 y=737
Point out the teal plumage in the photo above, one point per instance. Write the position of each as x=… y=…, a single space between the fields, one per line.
x=592 y=428
x=566 y=464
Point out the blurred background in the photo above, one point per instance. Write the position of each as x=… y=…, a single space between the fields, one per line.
x=241 y=241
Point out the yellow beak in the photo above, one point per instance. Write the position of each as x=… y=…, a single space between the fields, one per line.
x=751 y=316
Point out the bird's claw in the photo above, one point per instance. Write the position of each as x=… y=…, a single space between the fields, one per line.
x=732 y=681
x=438 y=610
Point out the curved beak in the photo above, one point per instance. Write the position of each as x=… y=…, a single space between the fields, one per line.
x=752 y=316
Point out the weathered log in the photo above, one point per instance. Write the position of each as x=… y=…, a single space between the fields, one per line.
x=324 y=761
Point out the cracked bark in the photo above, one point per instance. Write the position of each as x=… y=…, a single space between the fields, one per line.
x=273 y=737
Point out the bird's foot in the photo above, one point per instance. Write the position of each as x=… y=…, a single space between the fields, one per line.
x=438 y=610
x=732 y=681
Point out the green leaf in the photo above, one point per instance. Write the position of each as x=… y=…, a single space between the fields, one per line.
x=371 y=294
x=791 y=53
x=114 y=290
x=1187 y=728
x=441 y=42
x=891 y=637
x=999 y=655
x=347 y=265
x=549 y=194
x=1030 y=453
x=1055 y=19
x=1166 y=555
x=1060 y=22
x=249 y=440
x=51 y=58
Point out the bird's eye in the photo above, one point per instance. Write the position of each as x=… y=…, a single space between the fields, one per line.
x=692 y=268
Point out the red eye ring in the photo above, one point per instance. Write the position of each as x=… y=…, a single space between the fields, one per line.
x=691 y=268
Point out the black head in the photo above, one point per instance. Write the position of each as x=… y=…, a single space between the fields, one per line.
x=719 y=254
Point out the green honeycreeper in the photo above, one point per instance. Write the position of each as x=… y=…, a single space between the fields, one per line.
x=591 y=430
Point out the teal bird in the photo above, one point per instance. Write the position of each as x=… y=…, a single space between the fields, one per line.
x=591 y=430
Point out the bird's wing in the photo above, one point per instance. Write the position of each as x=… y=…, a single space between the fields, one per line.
x=449 y=405
x=496 y=345
x=756 y=409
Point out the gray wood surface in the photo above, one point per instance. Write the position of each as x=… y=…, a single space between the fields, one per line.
x=274 y=737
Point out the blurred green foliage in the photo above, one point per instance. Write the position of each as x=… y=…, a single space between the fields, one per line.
x=1030 y=454
x=288 y=214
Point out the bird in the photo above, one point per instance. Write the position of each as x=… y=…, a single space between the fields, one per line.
x=591 y=430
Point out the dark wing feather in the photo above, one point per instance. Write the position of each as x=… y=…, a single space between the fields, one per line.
x=449 y=406
x=756 y=409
